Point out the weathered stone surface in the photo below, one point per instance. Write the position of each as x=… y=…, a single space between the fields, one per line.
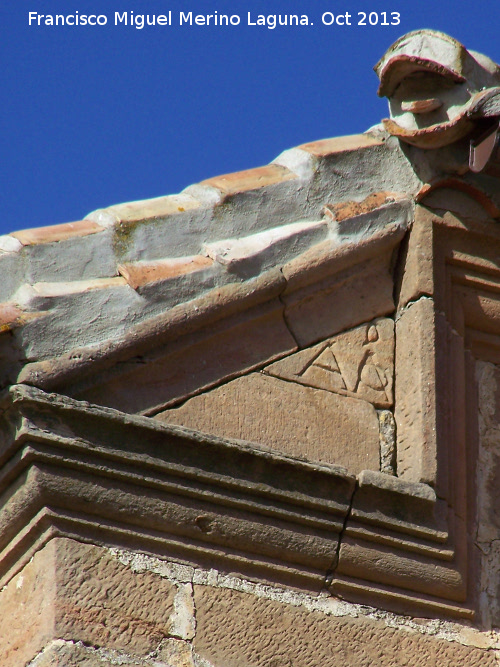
x=250 y=255
x=417 y=277
x=227 y=348
x=488 y=489
x=78 y=592
x=357 y=363
x=406 y=507
x=61 y=653
x=291 y=418
x=27 y=619
x=102 y=602
x=330 y=286
x=93 y=472
x=387 y=442
x=319 y=312
x=415 y=410
x=453 y=200
x=236 y=629
x=385 y=566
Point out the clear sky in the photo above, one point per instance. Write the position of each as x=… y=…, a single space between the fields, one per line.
x=95 y=115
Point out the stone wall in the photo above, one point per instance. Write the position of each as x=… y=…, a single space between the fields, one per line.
x=76 y=604
x=488 y=499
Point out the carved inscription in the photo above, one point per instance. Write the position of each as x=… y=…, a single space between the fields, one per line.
x=358 y=363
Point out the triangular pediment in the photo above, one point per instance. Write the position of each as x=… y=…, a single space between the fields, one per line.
x=286 y=324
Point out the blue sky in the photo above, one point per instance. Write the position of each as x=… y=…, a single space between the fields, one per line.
x=92 y=116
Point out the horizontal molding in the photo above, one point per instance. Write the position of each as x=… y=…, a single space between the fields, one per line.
x=398 y=600
x=97 y=475
x=198 y=496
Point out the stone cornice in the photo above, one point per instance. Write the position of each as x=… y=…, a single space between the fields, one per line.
x=98 y=475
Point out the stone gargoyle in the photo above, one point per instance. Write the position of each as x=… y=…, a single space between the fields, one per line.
x=439 y=93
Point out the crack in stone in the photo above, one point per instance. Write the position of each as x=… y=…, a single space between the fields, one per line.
x=331 y=572
x=285 y=318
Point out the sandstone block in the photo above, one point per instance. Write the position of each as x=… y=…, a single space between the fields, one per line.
x=339 y=301
x=104 y=603
x=357 y=363
x=488 y=500
x=383 y=565
x=415 y=410
x=237 y=629
x=27 y=617
x=418 y=274
x=78 y=592
x=291 y=418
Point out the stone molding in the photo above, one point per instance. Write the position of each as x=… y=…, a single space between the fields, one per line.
x=448 y=315
x=97 y=475
x=73 y=469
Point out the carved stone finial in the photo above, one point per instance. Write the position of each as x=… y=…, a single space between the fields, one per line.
x=439 y=92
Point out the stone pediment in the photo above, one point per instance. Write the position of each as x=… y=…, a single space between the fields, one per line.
x=348 y=367
x=287 y=373
x=106 y=298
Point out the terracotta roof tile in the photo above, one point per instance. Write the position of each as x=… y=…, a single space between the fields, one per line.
x=351 y=142
x=47 y=289
x=138 y=274
x=55 y=233
x=348 y=209
x=251 y=179
x=144 y=209
x=9 y=316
